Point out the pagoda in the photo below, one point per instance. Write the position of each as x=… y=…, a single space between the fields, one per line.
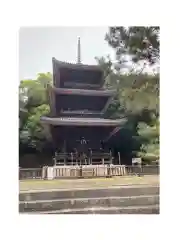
x=76 y=124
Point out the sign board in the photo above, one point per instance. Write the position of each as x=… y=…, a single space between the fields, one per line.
x=136 y=161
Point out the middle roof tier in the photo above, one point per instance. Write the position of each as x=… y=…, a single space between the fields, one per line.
x=80 y=100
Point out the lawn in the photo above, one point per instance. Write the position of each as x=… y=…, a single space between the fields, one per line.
x=85 y=183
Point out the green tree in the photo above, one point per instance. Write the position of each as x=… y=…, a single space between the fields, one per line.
x=35 y=91
x=33 y=94
x=141 y=43
x=137 y=95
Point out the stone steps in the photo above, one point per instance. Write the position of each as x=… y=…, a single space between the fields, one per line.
x=85 y=203
x=114 y=200
x=121 y=191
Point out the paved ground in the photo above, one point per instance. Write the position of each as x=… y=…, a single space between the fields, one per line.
x=86 y=183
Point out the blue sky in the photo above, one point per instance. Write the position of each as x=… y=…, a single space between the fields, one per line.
x=37 y=46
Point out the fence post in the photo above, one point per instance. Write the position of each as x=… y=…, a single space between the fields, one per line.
x=80 y=171
x=109 y=171
x=44 y=172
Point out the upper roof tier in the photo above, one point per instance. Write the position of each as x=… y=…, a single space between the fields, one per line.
x=70 y=75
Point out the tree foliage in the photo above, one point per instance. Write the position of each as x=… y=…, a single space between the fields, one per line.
x=137 y=95
x=141 y=43
x=34 y=98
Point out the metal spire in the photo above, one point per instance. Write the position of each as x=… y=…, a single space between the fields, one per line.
x=79 y=51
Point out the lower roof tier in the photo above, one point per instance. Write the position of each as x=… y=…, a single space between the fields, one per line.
x=66 y=121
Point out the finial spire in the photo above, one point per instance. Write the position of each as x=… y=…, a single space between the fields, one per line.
x=79 y=51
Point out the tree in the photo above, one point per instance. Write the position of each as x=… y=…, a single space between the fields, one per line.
x=150 y=135
x=137 y=95
x=33 y=94
x=35 y=91
x=141 y=43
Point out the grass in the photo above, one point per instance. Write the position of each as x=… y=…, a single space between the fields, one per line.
x=83 y=183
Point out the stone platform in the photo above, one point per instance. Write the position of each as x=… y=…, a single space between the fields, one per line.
x=127 y=199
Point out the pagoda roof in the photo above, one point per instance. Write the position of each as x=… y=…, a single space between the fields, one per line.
x=67 y=121
x=85 y=92
x=76 y=65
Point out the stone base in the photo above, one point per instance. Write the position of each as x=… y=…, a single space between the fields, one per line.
x=84 y=171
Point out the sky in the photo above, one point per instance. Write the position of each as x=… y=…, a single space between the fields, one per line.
x=37 y=46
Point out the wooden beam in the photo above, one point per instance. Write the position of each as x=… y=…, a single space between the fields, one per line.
x=107 y=104
x=113 y=133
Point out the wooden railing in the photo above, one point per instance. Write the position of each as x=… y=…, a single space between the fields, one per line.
x=85 y=171
x=93 y=158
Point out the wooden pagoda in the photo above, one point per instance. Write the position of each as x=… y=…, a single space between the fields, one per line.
x=76 y=123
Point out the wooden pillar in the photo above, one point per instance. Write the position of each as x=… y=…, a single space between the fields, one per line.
x=55 y=158
x=80 y=159
x=72 y=158
x=85 y=159
x=76 y=159
x=110 y=157
x=91 y=157
x=119 y=157
x=64 y=151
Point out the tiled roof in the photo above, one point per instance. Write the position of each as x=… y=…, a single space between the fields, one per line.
x=76 y=65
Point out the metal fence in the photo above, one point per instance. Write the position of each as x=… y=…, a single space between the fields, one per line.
x=30 y=173
x=86 y=171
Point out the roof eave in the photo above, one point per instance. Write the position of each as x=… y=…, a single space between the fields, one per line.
x=76 y=65
x=111 y=123
x=83 y=92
